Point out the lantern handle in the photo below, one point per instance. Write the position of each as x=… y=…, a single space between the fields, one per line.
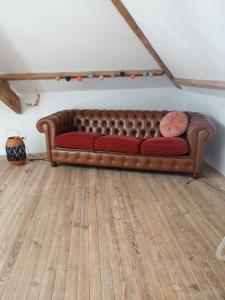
x=7 y=131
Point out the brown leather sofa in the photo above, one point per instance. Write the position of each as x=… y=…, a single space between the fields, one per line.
x=140 y=124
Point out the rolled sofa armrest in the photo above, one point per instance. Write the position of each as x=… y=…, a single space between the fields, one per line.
x=200 y=128
x=55 y=124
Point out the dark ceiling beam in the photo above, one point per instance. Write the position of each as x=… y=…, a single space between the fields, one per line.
x=61 y=75
x=205 y=84
x=9 y=97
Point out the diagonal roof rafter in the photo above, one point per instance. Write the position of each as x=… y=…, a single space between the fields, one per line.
x=141 y=36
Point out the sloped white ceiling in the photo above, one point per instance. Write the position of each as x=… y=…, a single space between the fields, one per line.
x=67 y=35
x=73 y=35
x=188 y=35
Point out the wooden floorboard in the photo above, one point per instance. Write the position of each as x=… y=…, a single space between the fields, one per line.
x=87 y=233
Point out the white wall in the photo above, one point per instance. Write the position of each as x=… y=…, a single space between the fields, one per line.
x=211 y=103
x=150 y=99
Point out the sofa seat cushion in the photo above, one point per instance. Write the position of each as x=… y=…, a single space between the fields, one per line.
x=118 y=143
x=76 y=140
x=164 y=146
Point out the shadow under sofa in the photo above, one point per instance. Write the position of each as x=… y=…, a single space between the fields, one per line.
x=124 y=139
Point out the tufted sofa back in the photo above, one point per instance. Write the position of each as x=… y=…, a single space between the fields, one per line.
x=142 y=124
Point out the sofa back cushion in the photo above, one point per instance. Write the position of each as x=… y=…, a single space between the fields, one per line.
x=143 y=124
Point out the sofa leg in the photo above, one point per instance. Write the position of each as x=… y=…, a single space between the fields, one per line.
x=195 y=176
x=54 y=164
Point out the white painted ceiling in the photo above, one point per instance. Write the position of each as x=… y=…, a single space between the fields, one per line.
x=189 y=35
x=82 y=35
x=67 y=35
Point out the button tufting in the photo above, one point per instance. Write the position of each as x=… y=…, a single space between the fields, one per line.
x=99 y=130
x=143 y=133
x=153 y=132
x=130 y=124
x=86 y=122
x=104 y=123
x=134 y=132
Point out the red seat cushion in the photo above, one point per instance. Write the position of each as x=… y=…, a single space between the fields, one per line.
x=76 y=140
x=163 y=146
x=118 y=143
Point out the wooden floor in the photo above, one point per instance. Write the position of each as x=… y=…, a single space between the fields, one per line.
x=86 y=233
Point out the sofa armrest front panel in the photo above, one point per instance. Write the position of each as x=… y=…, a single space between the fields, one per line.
x=200 y=129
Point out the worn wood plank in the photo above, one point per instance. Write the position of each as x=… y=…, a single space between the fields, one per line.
x=52 y=265
x=93 y=243
x=88 y=233
x=15 y=250
x=104 y=253
x=125 y=283
x=83 y=271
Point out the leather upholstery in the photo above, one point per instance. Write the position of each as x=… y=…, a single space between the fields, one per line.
x=183 y=164
x=142 y=124
x=198 y=123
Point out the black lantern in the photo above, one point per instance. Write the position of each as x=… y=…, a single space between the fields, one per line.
x=15 y=150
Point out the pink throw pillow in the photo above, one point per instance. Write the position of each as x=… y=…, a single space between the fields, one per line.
x=174 y=124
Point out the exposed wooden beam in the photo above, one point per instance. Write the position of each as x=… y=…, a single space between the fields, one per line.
x=49 y=76
x=205 y=84
x=9 y=97
x=136 y=29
